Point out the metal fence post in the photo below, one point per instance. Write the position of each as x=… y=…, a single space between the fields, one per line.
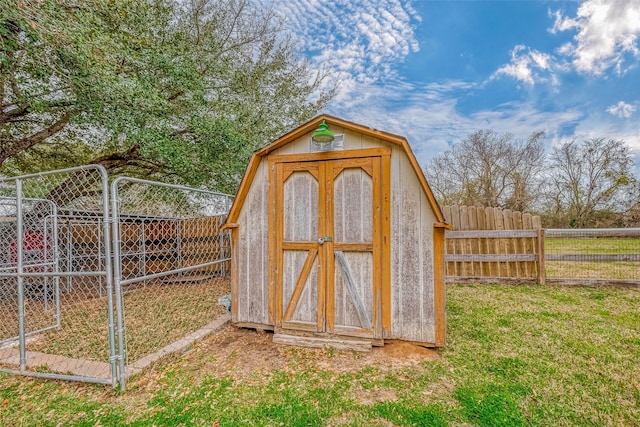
x=542 y=273
x=108 y=270
x=117 y=278
x=20 y=278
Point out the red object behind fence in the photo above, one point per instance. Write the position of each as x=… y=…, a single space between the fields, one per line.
x=34 y=252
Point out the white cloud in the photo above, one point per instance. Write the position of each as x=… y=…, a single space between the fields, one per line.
x=429 y=115
x=622 y=110
x=528 y=65
x=357 y=41
x=607 y=33
x=606 y=38
x=361 y=43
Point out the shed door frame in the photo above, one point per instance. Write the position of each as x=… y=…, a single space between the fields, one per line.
x=381 y=322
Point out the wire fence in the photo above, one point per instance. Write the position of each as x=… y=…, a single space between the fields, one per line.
x=93 y=281
x=593 y=256
x=554 y=256
x=47 y=283
x=173 y=260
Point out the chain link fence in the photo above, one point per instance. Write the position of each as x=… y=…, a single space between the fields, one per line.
x=56 y=299
x=93 y=289
x=173 y=262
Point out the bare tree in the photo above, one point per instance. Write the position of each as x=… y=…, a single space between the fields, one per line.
x=584 y=179
x=489 y=169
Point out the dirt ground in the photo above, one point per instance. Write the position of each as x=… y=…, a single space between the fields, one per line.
x=243 y=353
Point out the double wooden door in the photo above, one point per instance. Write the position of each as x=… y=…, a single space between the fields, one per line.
x=328 y=246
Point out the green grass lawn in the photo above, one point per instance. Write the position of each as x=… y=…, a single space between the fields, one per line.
x=525 y=355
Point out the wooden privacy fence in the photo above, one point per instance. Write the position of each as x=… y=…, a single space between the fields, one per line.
x=152 y=245
x=493 y=243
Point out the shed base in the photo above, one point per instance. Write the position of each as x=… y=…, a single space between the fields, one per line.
x=318 y=342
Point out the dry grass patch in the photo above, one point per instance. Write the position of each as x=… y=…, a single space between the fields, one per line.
x=155 y=315
x=160 y=314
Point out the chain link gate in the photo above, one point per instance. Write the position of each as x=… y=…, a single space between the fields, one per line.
x=95 y=290
x=57 y=312
x=172 y=259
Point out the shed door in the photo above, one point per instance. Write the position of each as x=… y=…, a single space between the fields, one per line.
x=328 y=246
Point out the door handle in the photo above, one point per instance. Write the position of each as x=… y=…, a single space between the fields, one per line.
x=323 y=239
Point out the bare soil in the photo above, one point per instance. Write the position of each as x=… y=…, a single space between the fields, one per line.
x=243 y=353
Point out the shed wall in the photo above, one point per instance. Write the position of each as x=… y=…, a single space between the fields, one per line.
x=252 y=262
x=412 y=279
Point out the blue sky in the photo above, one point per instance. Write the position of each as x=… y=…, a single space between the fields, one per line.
x=435 y=71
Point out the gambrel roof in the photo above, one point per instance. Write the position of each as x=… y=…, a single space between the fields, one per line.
x=311 y=126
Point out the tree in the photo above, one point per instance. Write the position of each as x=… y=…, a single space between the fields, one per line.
x=631 y=209
x=588 y=179
x=489 y=169
x=178 y=90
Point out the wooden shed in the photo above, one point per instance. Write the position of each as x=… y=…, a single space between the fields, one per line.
x=341 y=242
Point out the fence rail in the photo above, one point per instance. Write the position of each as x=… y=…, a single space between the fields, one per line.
x=571 y=256
x=592 y=232
x=593 y=257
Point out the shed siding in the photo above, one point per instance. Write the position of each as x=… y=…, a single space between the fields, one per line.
x=427 y=219
x=352 y=141
x=253 y=251
x=412 y=304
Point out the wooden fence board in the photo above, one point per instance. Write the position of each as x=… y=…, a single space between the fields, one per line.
x=494 y=267
x=446 y=211
x=483 y=243
x=536 y=222
x=476 y=268
x=465 y=245
x=507 y=217
x=455 y=222
x=529 y=244
x=501 y=245
x=455 y=217
x=511 y=239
